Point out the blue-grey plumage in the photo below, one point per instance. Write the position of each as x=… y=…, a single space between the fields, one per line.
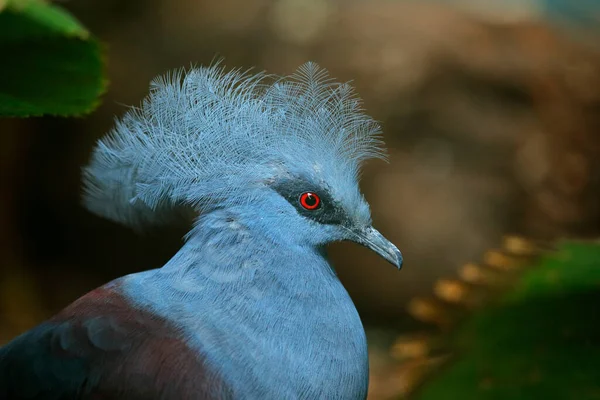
x=271 y=167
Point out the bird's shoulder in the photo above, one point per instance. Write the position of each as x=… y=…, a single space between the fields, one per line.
x=104 y=346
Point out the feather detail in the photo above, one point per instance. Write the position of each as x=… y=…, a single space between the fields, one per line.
x=206 y=136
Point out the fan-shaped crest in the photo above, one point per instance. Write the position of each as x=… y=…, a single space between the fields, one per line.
x=206 y=135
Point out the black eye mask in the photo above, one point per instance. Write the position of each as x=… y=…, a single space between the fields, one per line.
x=329 y=211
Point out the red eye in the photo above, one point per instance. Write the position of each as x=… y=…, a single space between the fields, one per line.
x=310 y=201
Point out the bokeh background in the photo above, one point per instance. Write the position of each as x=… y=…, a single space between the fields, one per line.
x=490 y=110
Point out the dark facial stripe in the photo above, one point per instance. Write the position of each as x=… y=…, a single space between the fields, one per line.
x=329 y=213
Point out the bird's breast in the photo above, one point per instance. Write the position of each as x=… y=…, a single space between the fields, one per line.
x=274 y=333
x=296 y=352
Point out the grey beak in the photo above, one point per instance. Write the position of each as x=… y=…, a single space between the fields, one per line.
x=371 y=238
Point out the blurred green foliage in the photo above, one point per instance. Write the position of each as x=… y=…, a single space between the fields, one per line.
x=541 y=341
x=51 y=65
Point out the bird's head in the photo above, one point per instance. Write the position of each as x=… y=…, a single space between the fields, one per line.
x=284 y=152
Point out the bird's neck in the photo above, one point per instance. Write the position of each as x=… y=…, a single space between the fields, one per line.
x=242 y=266
x=225 y=249
x=255 y=296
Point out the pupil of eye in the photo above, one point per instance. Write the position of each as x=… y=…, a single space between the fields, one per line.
x=311 y=200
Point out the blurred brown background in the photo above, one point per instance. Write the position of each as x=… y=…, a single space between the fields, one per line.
x=491 y=116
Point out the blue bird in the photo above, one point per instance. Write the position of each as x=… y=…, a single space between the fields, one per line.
x=249 y=307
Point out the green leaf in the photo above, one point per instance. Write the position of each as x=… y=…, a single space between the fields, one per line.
x=542 y=341
x=51 y=65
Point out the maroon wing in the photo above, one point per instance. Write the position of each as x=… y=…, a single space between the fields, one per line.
x=103 y=347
